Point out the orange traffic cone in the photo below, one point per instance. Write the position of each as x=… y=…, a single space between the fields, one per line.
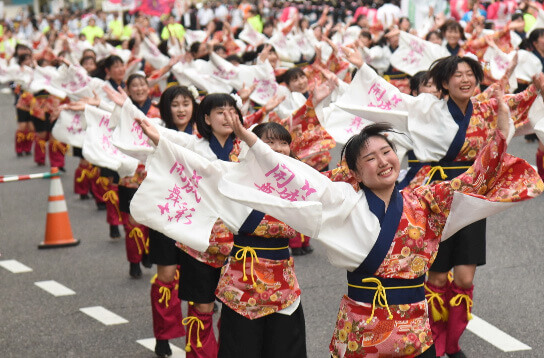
x=58 y=232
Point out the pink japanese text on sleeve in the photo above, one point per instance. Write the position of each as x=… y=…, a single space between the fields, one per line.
x=75 y=125
x=280 y=183
x=107 y=145
x=183 y=199
x=413 y=57
x=381 y=99
x=140 y=138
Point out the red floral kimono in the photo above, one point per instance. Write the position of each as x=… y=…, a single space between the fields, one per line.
x=256 y=286
x=367 y=326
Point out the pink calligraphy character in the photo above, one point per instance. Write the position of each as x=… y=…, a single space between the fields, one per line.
x=395 y=100
x=104 y=121
x=175 y=196
x=291 y=196
x=283 y=177
x=179 y=168
x=265 y=188
x=377 y=90
x=308 y=189
x=164 y=209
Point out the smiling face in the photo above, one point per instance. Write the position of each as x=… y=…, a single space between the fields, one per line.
x=462 y=84
x=452 y=36
x=182 y=111
x=278 y=145
x=377 y=166
x=298 y=84
x=217 y=121
x=138 y=90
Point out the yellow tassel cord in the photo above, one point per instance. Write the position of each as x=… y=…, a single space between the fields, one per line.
x=176 y=278
x=242 y=255
x=458 y=299
x=41 y=143
x=153 y=279
x=30 y=136
x=146 y=247
x=440 y=169
x=189 y=321
x=435 y=299
x=380 y=295
x=112 y=197
x=84 y=173
x=137 y=234
x=166 y=295
x=57 y=146
x=20 y=137
x=103 y=181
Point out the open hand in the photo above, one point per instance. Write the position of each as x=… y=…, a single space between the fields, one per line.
x=149 y=130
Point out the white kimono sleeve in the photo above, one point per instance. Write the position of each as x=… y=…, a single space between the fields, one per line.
x=179 y=196
x=306 y=200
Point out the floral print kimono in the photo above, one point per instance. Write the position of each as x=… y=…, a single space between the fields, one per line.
x=385 y=312
x=259 y=278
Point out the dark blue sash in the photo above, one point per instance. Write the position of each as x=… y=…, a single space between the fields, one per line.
x=278 y=248
x=395 y=296
x=222 y=152
x=413 y=168
x=462 y=121
x=145 y=107
x=389 y=222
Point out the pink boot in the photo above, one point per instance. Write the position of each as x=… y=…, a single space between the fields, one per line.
x=201 y=342
x=460 y=302
x=57 y=150
x=438 y=315
x=166 y=308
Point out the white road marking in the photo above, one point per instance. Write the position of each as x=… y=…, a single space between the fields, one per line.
x=149 y=343
x=495 y=336
x=14 y=266
x=103 y=315
x=54 y=288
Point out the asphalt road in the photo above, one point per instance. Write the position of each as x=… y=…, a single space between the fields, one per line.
x=34 y=323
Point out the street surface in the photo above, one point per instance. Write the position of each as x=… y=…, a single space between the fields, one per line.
x=94 y=280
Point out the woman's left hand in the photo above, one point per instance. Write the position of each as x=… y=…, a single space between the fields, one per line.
x=149 y=130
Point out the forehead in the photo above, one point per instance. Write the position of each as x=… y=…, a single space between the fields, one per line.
x=181 y=98
x=137 y=82
x=373 y=144
x=463 y=67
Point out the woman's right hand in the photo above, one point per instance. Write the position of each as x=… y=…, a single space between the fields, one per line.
x=239 y=130
x=118 y=98
x=354 y=56
x=149 y=130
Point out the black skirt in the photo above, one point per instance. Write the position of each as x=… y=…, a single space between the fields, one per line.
x=197 y=280
x=465 y=247
x=272 y=336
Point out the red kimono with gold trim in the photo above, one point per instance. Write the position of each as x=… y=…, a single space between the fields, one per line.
x=256 y=289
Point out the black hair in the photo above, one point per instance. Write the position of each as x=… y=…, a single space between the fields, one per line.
x=211 y=101
x=272 y=130
x=234 y=58
x=89 y=50
x=417 y=80
x=366 y=33
x=86 y=58
x=516 y=15
x=165 y=105
x=352 y=148
x=193 y=49
x=451 y=24
x=534 y=36
x=23 y=58
x=443 y=69
x=434 y=32
x=292 y=74
x=133 y=77
x=22 y=47
x=219 y=47
x=112 y=60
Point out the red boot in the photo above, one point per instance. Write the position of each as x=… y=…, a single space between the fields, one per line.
x=540 y=163
x=201 y=342
x=99 y=186
x=57 y=150
x=111 y=198
x=39 y=150
x=460 y=302
x=135 y=240
x=20 y=139
x=27 y=143
x=166 y=308
x=438 y=314
x=82 y=179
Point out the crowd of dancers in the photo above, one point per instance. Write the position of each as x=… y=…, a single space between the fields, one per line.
x=206 y=133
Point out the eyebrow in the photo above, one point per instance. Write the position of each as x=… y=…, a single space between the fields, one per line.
x=382 y=148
